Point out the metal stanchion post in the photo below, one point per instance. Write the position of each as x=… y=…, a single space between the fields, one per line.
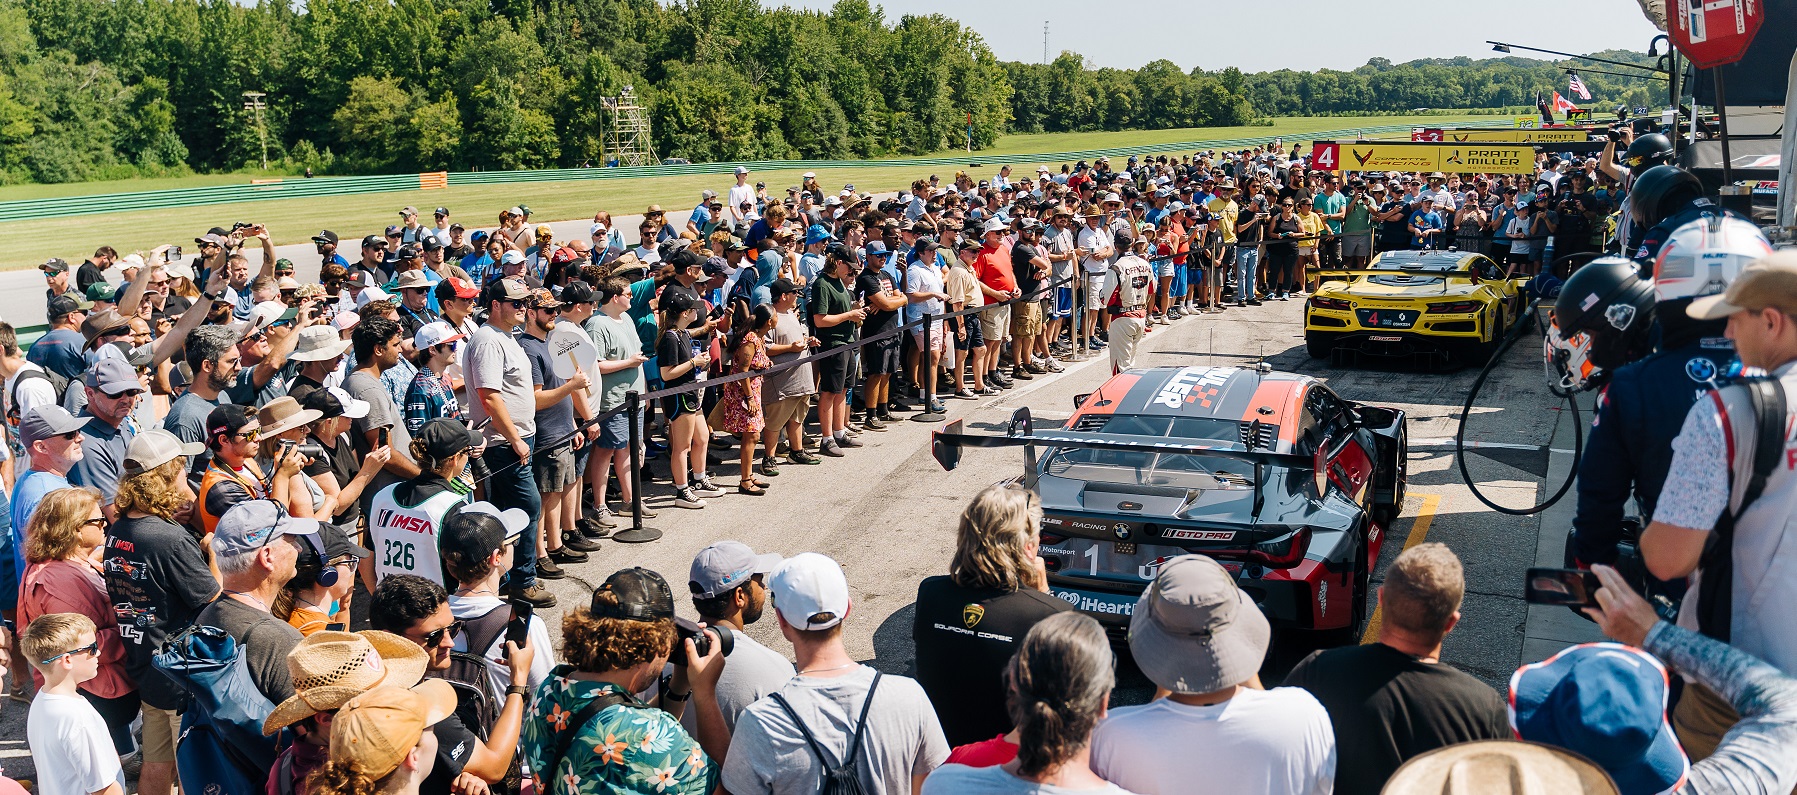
x=637 y=533
x=928 y=373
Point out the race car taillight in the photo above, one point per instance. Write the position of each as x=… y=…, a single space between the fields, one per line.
x=1283 y=553
x=1454 y=308
x=1329 y=303
x=1048 y=539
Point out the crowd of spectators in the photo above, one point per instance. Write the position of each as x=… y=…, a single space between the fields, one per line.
x=344 y=495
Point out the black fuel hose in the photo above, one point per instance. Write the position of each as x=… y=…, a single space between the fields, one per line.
x=1578 y=443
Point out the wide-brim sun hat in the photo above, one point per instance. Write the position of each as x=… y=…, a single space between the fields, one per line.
x=329 y=668
x=1195 y=631
x=1500 y=767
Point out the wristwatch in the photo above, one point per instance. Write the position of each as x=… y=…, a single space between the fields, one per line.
x=210 y=297
x=520 y=690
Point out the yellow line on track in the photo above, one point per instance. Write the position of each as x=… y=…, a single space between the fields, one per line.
x=1419 y=528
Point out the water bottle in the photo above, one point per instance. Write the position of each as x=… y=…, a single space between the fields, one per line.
x=698 y=372
x=1547 y=254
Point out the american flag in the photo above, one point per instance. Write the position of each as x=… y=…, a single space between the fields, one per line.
x=1577 y=86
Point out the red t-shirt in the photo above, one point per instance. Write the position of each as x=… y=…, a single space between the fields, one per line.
x=993 y=267
x=989 y=753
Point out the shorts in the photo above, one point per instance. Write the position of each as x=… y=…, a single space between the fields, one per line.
x=161 y=727
x=832 y=370
x=1063 y=303
x=995 y=322
x=938 y=337
x=614 y=432
x=1305 y=251
x=881 y=357
x=975 y=338
x=1026 y=319
x=1164 y=268
x=1357 y=245
x=554 y=469
x=1094 y=290
x=683 y=403
x=780 y=413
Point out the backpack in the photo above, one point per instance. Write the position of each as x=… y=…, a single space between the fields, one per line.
x=469 y=674
x=843 y=778
x=58 y=384
x=1715 y=590
x=221 y=748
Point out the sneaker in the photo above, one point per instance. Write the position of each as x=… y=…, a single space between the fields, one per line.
x=1175 y=314
x=578 y=542
x=803 y=458
x=655 y=447
x=685 y=498
x=770 y=467
x=547 y=570
x=938 y=408
x=874 y=424
x=985 y=392
x=1054 y=367
x=703 y=487
x=1022 y=374
x=566 y=554
x=849 y=442
x=1254 y=302
x=1035 y=369
x=1003 y=381
x=536 y=596
x=828 y=448
x=625 y=511
x=604 y=520
x=965 y=394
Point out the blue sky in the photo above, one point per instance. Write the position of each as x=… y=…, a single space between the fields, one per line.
x=1295 y=34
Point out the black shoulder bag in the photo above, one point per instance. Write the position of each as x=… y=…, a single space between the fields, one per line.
x=1715 y=590
x=840 y=779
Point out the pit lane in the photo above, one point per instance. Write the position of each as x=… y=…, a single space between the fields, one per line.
x=888 y=513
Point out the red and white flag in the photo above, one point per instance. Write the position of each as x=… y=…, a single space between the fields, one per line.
x=1577 y=86
x=1562 y=104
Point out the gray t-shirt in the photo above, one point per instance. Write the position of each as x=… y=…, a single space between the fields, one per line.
x=102 y=458
x=796 y=382
x=495 y=361
x=753 y=672
x=768 y=754
x=964 y=780
x=616 y=340
x=382 y=413
x=187 y=421
x=264 y=639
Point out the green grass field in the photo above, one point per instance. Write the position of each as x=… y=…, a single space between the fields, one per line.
x=296 y=220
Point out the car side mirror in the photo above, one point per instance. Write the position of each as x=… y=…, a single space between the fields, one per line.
x=1079 y=400
x=1375 y=416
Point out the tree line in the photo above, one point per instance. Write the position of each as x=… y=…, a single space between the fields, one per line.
x=109 y=89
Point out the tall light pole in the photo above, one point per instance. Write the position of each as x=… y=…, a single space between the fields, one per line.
x=253 y=100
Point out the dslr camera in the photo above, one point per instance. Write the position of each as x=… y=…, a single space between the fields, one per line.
x=702 y=638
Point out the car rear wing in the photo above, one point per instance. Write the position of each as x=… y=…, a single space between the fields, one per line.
x=946 y=444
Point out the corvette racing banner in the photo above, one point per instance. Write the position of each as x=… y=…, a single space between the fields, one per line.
x=1493 y=158
x=1514 y=136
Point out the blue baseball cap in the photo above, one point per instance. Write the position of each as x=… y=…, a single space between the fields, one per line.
x=818 y=233
x=1607 y=702
x=874 y=248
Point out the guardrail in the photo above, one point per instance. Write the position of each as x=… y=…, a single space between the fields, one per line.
x=301 y=188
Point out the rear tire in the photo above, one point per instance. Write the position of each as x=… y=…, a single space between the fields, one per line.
x=1357 y=606
x=1319 y=345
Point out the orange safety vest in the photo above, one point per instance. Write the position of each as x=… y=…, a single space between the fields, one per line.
x=215 y=475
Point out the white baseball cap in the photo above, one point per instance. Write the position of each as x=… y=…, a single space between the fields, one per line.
x=435 y=333
x=369 y=295
x=512 y=257
x=810 y=591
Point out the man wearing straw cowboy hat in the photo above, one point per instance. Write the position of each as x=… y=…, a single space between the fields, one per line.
x=330 y=668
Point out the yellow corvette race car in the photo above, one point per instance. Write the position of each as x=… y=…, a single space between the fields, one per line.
x=1434 y=304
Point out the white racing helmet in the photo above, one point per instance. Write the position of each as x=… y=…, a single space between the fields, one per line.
x=1702 y=257
x=1568 y=360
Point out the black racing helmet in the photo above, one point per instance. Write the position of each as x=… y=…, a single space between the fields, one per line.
x=1659 y=192
x=1647 y=151
x=1607 y=294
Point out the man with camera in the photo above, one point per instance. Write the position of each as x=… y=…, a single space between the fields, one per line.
x=729 y=588
x=589 y=734
x=1708 y=524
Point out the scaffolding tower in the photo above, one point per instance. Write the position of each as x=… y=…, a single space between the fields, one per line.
x=629 y=142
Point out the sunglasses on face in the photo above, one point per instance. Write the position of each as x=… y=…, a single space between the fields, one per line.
x=253 y=435
x=91 y=648
x=519 y=303
x=96 y=522
x=435 y=637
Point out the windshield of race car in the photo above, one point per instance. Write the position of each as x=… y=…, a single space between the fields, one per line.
x=1159 y=469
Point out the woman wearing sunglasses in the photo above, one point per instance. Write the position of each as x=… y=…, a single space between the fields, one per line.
x=62 y=575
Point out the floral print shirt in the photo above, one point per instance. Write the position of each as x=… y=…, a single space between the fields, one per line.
x=621 y=749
